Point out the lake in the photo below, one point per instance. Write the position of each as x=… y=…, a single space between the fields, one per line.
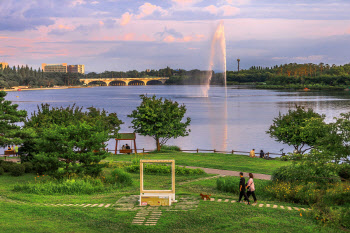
x=233 y=119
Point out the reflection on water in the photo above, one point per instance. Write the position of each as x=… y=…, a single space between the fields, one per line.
x=236 y=122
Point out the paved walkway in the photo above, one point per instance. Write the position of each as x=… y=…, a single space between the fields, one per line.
x=231 y=173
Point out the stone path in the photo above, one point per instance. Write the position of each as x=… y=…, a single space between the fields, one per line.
x=261 y=205
x=231 y=173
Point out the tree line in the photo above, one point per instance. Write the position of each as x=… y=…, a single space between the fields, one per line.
x=293 y=73
x=287 y=74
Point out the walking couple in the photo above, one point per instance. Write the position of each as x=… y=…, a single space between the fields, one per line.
x=250 y=187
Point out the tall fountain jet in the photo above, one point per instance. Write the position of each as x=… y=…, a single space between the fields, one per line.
x=217 y=52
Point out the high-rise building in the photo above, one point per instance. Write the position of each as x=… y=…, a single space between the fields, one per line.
x=76 y=69
x=62 y=68
x=4 y=65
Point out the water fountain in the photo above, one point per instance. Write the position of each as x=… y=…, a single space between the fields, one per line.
x=217 y=52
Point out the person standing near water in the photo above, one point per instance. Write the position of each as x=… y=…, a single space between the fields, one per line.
x=242 y=189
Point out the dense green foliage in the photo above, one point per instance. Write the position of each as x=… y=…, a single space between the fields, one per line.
x=160 y=119
x=163 y=169
x=299 y=128
x=9 y=117
x=68 y=140
x=25 y=76
x=295 y=75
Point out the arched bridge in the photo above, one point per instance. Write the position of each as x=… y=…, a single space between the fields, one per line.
x=125 y=81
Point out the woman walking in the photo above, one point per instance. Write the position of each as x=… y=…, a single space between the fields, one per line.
x=251 y=187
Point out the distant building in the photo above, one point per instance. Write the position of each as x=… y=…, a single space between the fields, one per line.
x=4 y=64
x=148 y=70
x=76 y=69
x=62 y=68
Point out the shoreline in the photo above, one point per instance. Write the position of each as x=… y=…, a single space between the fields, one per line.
x=44 y=88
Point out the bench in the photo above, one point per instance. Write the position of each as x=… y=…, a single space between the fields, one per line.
x=10 y=152
x=125 y=151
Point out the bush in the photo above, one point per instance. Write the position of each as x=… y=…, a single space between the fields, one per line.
x=312 y=172
x=231 y=184
x=1 y=171
x=170 y=148
x=120 y=177
x=163 y=169
x=17 y=169
x=68 y=186
x=6 y=165
x=28 y=167
x=344 y=171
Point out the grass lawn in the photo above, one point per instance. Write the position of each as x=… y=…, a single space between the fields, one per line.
x=207 y=217
x=211 y=160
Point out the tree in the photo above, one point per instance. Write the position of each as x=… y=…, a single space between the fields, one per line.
x=299 y=128
x=160 y=119
x=9 y=116
x=69 y=138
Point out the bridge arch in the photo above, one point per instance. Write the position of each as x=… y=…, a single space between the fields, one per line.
x=154 y=82
x=98 y=83
x=117 y=83
x=136 y=83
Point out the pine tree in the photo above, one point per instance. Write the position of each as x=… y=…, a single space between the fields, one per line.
x=9 y=116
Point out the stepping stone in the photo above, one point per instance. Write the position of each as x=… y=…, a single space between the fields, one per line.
x=226 y=200
x=274 y=206
x=204 y=199
x=296 y=208
x=261 y=205
x=94 y=205
x=106 y=206
x=254 y=204
x=87 y=205
x=152 y=224
x=289 y=208
x=219 y=200
x=267 y=205
x=303 y=209
x=64 y=204
x=69 y=204
x=101 y=205
x=233 y=201
x=282 y=207
x=308 y=209
x=212 y=199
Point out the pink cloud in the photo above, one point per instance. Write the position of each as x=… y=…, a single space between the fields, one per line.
x=225 y=10
x=125 y=19
x=127 y=37
x=101 y=23
x=148 y=9
x=186 y=2
x=78 y=2
x=169 y=39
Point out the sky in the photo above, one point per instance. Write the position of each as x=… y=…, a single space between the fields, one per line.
x=126 y=35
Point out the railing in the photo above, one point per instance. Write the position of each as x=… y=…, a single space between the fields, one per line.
x=205 y=150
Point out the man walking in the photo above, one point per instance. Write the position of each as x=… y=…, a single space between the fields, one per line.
x=242 y=189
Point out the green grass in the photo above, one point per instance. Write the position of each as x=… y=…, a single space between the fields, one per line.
x=212 y=160
x=208 y=217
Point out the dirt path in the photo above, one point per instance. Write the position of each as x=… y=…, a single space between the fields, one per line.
x=231 y=173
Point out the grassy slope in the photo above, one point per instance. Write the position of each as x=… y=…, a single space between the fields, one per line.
x=212 y=160
x=208 y=217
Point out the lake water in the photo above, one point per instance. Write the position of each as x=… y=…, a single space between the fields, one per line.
x=237 y=120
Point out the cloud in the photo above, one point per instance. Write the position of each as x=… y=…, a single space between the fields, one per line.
x=94 y=2
x=125 y=19
x=148 y=9
x=172 y=32
x=186 y=2
x=302 y=58
x=225 y=10
x=78 y=2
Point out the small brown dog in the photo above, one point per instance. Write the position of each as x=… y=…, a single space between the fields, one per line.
x=205 y=196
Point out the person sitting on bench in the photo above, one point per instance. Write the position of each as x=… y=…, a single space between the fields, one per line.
x=127 y=147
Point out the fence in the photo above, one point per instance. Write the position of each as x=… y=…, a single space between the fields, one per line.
x=214 y=151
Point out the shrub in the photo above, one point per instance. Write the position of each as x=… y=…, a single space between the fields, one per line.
x=6 y=165
x=17 y=169
x=68 y=186
x=231 y=184
x=119 y=176
x=312 y=172
x=170 y=148
x=163 y=169
x=1 y=171
x=28 y=167
x=344 y=171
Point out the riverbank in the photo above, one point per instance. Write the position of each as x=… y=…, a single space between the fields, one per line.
x=45 y=88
